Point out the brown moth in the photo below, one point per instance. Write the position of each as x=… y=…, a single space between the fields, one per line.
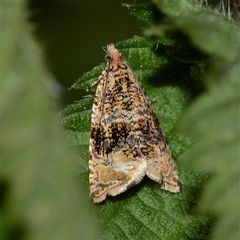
x=126 y=140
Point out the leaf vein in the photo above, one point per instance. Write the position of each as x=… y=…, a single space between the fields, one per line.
x=143 y=224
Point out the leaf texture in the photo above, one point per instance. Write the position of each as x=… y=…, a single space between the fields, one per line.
x=213 y=119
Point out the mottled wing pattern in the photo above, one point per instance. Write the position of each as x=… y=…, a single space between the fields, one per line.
x=126 y=141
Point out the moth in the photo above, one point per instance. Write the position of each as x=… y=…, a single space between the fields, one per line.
x=126 y=141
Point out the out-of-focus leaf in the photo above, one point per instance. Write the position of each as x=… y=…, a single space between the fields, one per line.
x=41 y=195
x=223 y=36
x=208 y=31
x=215 y=118
x=177 y=8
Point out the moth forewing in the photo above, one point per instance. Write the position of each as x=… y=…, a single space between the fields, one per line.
x=126 y=140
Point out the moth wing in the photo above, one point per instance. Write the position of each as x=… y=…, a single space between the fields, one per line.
x=161 y=168
x=126 y=140
x=160 y=164
x=115 y=162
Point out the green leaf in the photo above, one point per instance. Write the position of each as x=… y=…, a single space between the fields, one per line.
x=41 y=195
x=177 y=8
x=215 y=118
x=146 y=13
x=223 y=35
x=220 y=31
x=88 y=78
x=146 y=211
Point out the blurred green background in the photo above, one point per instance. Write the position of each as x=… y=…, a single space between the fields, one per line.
x=73 y=33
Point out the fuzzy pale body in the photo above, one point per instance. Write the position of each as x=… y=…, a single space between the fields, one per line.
x=126 y=141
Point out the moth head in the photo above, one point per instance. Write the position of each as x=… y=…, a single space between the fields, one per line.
x=113 y=54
